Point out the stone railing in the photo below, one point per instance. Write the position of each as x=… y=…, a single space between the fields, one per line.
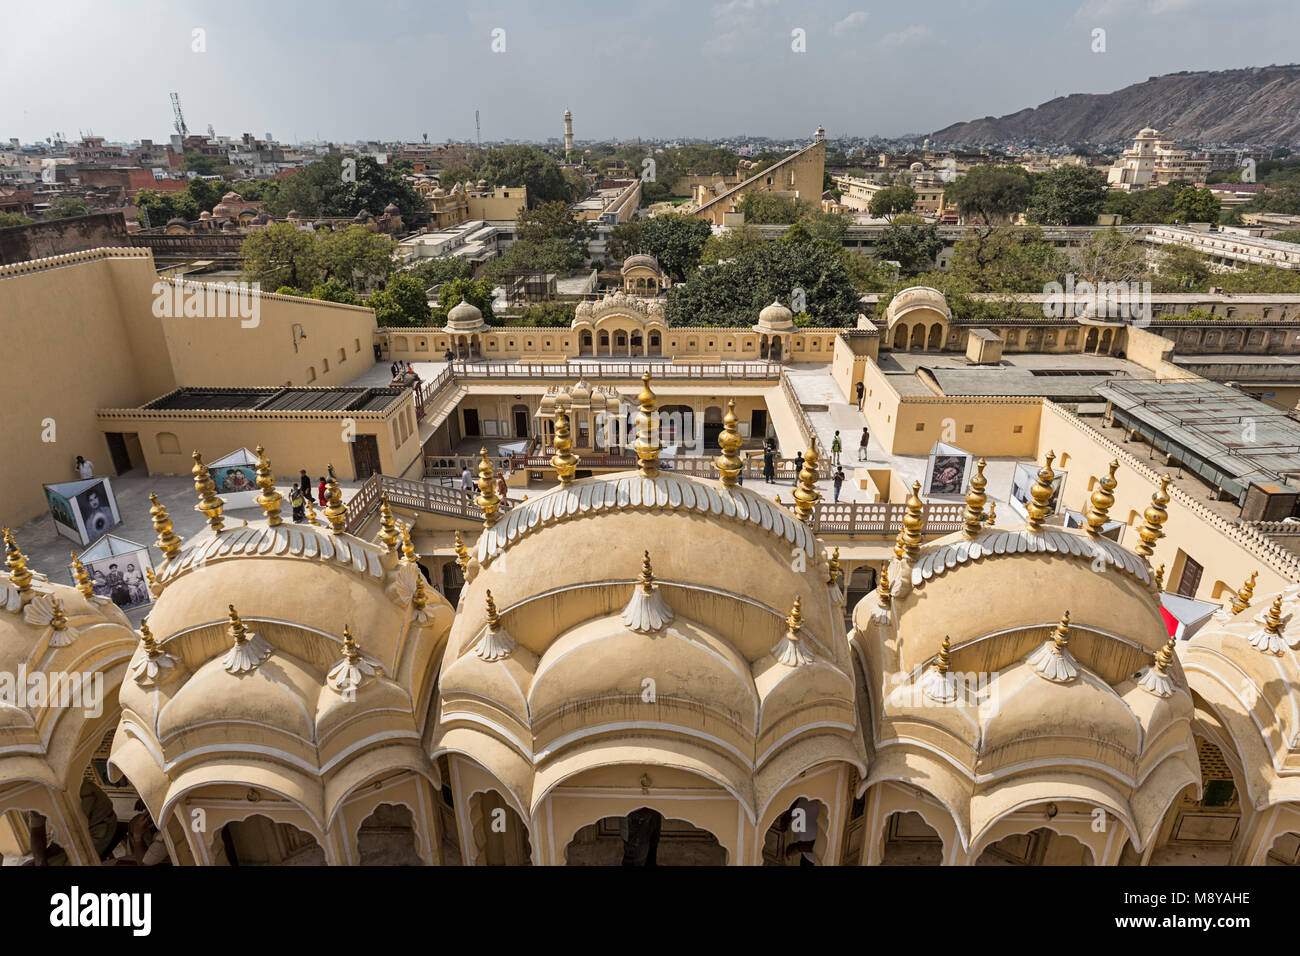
x=806 y=429
x=883 y=518
x=1279 y=528
x=403 y=493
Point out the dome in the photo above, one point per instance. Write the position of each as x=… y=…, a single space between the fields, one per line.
x=918 y=297
x=229 y=226
x=642 y=261
x=295 y=214
x=177 y=221
x=205 y=215
x=917 y=167
x=232 y=196
x=362 y=217
x=1147 y=132
x=464 y=316
x=439 y=193
x=392 y=210
x=482 y=184
x=775 y=318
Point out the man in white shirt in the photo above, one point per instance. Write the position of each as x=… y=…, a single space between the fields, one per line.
x=85 y=469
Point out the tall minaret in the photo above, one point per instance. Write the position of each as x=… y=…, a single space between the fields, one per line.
x=568 y=134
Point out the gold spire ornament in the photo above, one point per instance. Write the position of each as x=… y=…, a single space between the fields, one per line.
x=1040 y=496
x=939 y=684
x=646 y=610
x=790 y=649
x=1160 y=578
x=993 y=517
x=973 y=519
x=564 y=460
x=1102 y=500
x=169 y=543
x=270 y=499
x=1270 y=640
x=353 y=670
x=495 y=644
x=311 y=512
x=729 y=463
x=1154 y=517
x=249 y=650
x=82 y=576
x=46 y=611
x=1241 y=600
x=150 y=668
x=20 y=577
x=882 y=613
x=1053 y=660
x=833 y=571
x=1155 y=677
x=910 y=537
x=647 y=432
x=209 y=504
x=806 y=494
x=388 y=535
x=408 y=549
x=462 y=553
x=487 y=498
x=336 y=513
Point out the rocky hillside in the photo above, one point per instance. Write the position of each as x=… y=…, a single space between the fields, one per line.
x=1255 y=105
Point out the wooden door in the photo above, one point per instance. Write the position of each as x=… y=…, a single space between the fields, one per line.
x=365 y=456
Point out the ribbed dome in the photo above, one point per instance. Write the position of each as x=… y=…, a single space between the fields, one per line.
x=775 y=318
x=464 y=316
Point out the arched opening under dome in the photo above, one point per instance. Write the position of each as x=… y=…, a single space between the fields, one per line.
x=935 y=342
x=676 y=425
x=712 y=427
x=918 y=337
x=774 y=352
x=260 y=841
x=798 y=836
x=1285 y=850
x=500 y=834
x=656 y=344
x=1039 y=847
x=644 y=838
x=1205 y=830
x=387 y=837
x=900 y=337
x=1090 y=343
x=907 y=840
x=584 y=342
x=1106 y=337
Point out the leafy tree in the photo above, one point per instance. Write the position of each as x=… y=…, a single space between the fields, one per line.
x=550 y=255
x=477 y=292
x=1259 y=279
x=545 y=315
x=653 y=192
x=553 y=220
x=320 y=190
x=402 y=302
x=257 y=190
x=335 y=290
x=867 y=273
x=675 y=241
x=1112 y=256
x=827 y=225
x=733 y=293
x=913 y=247
x=1010 y=259
x=204 y=164
x=1290 y=235
x=770 y=208
x=892 y=200
x=65 y=207
x=282 y=254
x=449 y=176
x=1196 y=205
x=434 y=272
x=206 y=193
x=1067 y=196
x=359 y=258
x=530 y=167
x=8 y=219
x=732 y=243
x=624 y=240
x=1181 y=268
x=990 y=195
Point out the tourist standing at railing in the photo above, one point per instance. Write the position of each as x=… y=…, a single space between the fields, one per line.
x=798 y=466
x=835 y=448
x=467 y=483
x=769 y=464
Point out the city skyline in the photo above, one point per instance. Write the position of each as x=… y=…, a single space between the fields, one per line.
x=729 y=69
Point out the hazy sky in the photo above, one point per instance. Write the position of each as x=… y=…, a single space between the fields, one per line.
x=390 y=69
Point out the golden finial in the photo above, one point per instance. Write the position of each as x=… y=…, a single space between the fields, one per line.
x=350 y=649
x=1101 y=502
x=493 y=620
x=1040 y=496
x=236 y=628
x=729 y=463
x=147 y=639
x=1241 y=600
x=913 y=524
x=487 y=498
x=834 y=572
x=58 y=620
x=882 y=588
x=311 y=512
x=1165 y=656
x=462 y=553
x=388 y=535
x=806 y=494
x=209 y=504
x=794 y=623
x=944 y=661
x=993 y=517
x=975 y=501
x=647 y=573
x=84 y=584
x=336 y=513
x=1273 y=619
x=168 y=542
x=19 y=576
x=408 y=549
x=1160 y=578
x=1155 y=516
x=647 y=432
x=419 y=599
x=1061 y=633
x=564 y=460
x=269 y=500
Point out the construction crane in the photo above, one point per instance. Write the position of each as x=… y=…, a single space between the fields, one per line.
x=179 y=117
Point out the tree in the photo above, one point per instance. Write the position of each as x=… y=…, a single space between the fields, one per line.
x=553 y=220
x=530 y=167
x=282 y=254
x=892 y=200
x=550 y=255
x=769 y=208
x=1010 y=259
x=913 y=247
x=335 y=290
x=1290 y=235
x=320 y=189
x=8 y=219
x=1067 y=196
x=733 y=293
x=624 y=240
x=1255 y=278
x=990 y=195
x=828 y=225
x=436 y=271
x=1196 y=205
x=477 y=292
x=1112 y=256
x=731 y=244
x=402 y=302
x=357 y=257
x=65 y=207
x=1181 y=268
x=675 y=241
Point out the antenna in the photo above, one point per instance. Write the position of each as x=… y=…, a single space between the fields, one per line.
x=478 y=131
x=179 y=117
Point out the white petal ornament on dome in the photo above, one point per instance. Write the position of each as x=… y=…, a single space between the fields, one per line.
x=938 y=684
x=833 y=579
x=495 y=644
x=408 y=588
x=1270 y=640
x=1155 y=677
x=790 y=649
x=353 y=671
x=156 y=665
x=47 y=611
x=1053 y=659
x=250 y=649
x=883 y=613
x=646 y=611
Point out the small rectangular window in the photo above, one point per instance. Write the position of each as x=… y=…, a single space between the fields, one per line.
x=920 y=426
x=969 y=429
x=1017 y=429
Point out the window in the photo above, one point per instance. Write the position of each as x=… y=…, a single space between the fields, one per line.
x=968 y=429
x=168 y=444
x=920 y=426
x=1017 y=429
x=343 y=356
x=311 y=374
x=325 y=365
x=357 y=343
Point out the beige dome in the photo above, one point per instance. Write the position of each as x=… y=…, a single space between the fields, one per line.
x=915 y=298
x=464 y=316
x=775 y=318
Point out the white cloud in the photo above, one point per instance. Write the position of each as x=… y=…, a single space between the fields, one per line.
x=854 y=19
x=916 y=33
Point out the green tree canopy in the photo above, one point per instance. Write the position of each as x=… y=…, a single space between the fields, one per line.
x=282 y=254
x=402 y=302
x=1067 y=196
x=771 y=208
x=436 y=271
x=65 y=207
x=8 y=219
x=1196 y=205
x=477 y=292
x=991 y=195
x=732 y=243
x=359 y=258
x=319 y=189
x=527 y=166
x=675 y=241
x=913 y=247
x=1112 y=256
x=1010 y=259
x=1181 y=268
x=892 y=200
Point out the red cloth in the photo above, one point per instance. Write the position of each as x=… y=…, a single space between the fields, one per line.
x=1171 y=622
x=320 y=493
